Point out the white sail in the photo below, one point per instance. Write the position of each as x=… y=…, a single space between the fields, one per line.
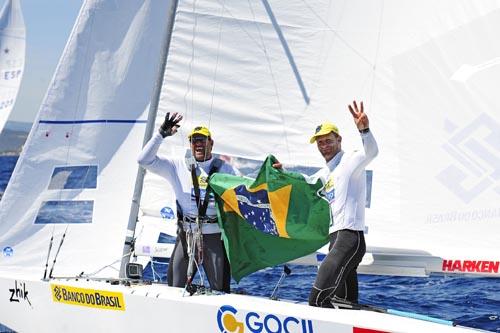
x=262 y=75
x=12 y=51
x=77 y=171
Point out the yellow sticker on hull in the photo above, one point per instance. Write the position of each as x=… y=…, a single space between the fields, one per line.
x=101 y=299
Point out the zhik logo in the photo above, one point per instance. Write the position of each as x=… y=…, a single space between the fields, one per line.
x=476 y=150
x=19 y=293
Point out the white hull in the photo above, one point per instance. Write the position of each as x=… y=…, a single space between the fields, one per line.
x=158 y=307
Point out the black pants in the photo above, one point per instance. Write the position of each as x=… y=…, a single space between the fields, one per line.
x=337 y=279
x=215 y=262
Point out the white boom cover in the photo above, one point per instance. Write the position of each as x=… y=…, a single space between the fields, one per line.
x=262 y=75
x=12 y=47
x=92 y=120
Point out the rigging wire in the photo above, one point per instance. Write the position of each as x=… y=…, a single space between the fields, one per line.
x=371 y=64
x=48 y=253
x=379 y=36
x=273 y=78
x=106 y=266
x=214 y=79
x=260 y=45
x=242 y=28
x=189 y=88
x=342 y=39
x=189 y=81
x=191 y=250
x=57 y=252
x=69 y=136
x=156 y=276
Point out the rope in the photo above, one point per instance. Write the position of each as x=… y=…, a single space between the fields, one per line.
x=197 y=236
x=106 y=266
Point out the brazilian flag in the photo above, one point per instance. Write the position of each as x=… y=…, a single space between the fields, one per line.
x=268 y=221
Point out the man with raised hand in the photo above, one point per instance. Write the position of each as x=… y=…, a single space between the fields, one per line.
x=195 y=204
x=345 y=189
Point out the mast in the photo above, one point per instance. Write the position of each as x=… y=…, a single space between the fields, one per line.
x=153 y=109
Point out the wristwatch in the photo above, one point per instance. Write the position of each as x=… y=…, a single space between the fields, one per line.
x=365 y=130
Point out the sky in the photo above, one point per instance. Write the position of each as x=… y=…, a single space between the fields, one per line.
x=48 y=25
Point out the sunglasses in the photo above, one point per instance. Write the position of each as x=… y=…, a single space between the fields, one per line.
x=196 y=139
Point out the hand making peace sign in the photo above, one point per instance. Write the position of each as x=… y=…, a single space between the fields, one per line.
x=360 y=118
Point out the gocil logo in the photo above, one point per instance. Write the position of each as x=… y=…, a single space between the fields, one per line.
x=256 y=323
x=227 y=321
x=476 y=150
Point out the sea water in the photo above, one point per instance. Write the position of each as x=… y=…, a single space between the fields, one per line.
x=473 y=302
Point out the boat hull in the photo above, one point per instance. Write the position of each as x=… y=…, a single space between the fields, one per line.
x=69 y=305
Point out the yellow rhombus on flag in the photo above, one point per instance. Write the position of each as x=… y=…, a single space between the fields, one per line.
x=268 y=221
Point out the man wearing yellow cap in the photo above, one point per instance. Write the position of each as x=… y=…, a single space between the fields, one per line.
x=195 y=205
x=345 y=189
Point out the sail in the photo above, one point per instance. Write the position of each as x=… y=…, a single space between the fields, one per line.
x=75 y=178
x=12 y=48
x=262 y=75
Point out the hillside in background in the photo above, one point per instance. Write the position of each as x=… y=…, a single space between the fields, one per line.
x=13 y=137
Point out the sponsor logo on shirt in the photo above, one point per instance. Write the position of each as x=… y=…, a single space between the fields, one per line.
x=167 y=213
x=202 y=181
x=329 y=190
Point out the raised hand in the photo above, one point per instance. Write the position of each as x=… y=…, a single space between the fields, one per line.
x=360 y=118
x=277 y=165
x=170 y=124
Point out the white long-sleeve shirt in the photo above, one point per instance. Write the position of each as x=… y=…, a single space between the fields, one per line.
x=345 y=185
x=178 y=173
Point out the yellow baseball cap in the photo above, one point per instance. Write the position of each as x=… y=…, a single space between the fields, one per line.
x=201 y=130
x=323 y=129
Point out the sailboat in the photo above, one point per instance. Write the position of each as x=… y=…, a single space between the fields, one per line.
x=261 y=75
x=12 y=49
